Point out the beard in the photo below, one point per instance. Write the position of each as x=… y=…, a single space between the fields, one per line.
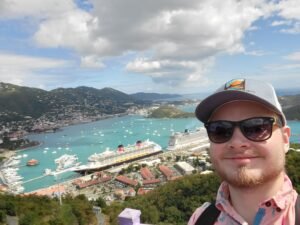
x=244 y=177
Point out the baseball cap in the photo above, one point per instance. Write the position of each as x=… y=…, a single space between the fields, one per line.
x=240 y=89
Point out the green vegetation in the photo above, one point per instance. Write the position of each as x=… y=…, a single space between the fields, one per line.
x=37 y=210
x=18 y=103
x=293 y=113
x=172 y=203
x=169 y=112
x=175 y=202
x=293 y=166
x=291 y=106
x=17 y=144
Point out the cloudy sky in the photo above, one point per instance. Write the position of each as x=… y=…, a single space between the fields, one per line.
x=165 y=46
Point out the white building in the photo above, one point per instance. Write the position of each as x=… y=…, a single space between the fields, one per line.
x=184 y=167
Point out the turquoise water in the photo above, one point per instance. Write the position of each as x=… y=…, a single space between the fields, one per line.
x=86 y=139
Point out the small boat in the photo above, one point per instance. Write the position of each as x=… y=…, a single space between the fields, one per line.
x=47 y=171
x=32 y=162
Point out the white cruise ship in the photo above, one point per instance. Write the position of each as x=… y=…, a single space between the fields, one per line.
x=188 y=139
x=97 y=156
x=121 y=155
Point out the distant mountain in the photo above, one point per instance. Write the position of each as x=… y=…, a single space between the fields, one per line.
x=153 y=96
x=17 y=102
x=291 y=106
x=289 y=91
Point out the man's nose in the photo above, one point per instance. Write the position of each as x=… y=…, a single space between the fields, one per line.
x=238 y=139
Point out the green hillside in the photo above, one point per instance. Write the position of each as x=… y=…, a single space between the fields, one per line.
x=169 y=112
x=17 y=103
x=37 y=210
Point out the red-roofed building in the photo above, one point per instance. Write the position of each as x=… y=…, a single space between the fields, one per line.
x=153 y=181
x=166 y=171
x=146 y=173
x=97 y=178
x=142 y=191
x=126 y=180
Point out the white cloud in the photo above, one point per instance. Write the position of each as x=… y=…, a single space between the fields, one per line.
x=295 y=29
x=34 y=8
x=91 y=62
x=256 y=53
x=178 y=73
x=176 y=41
x=23 y=70
x=281 y=22
x=283 y=67
x=290 y=11
x=294 y=56
x=173 y=32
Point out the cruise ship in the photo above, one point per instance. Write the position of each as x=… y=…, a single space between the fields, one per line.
x=130 y=153
x=188 y=140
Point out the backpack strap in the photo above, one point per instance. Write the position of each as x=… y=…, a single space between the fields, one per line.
x=297 y=211
x=209 y=215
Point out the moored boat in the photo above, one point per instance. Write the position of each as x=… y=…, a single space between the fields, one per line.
x=32 y=162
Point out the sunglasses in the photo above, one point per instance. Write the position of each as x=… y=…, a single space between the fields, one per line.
x=255 y=129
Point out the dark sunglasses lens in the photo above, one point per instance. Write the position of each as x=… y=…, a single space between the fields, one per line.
x=219 y=131
x=257 y=129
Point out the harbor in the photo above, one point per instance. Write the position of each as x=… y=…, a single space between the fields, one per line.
x=84 y=140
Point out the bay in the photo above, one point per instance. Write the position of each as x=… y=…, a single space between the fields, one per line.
x=86 y=139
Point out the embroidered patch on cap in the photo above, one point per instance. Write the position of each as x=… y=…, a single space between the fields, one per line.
x=236 y=84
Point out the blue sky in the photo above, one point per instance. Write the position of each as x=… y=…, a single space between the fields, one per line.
x=166 y=46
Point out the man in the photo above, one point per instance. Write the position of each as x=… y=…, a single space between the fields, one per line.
x=249 y=138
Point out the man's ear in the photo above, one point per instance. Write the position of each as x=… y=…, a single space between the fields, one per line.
x=286 y=133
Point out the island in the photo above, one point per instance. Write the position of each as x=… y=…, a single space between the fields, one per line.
x=168 y=111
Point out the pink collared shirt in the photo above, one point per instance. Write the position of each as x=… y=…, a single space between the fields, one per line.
x=278 y=210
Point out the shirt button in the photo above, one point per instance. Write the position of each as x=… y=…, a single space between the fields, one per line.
x=268 y=204
x=278 y=209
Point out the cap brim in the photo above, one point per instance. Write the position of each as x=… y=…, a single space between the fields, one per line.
x=207 y=106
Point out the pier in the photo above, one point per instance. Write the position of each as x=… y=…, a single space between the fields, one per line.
x=36 y=178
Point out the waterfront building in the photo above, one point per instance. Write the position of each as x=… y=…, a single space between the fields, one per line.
x=184 y=167
x=146 y=173
x=166 y=171
x=127 y=181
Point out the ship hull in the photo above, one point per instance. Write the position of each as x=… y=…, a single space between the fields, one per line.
x=107 y=166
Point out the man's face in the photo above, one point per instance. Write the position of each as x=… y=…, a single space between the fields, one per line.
x=245 y=163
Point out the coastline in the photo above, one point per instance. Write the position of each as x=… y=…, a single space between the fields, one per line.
x=6 y=153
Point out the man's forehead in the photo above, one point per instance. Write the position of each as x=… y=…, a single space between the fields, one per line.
x=244 y=106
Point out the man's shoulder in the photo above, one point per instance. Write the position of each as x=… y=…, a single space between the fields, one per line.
x=198 y=212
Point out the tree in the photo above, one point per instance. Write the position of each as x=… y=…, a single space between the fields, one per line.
x=2 y=216
x=150 y=215
x=100 y=202
x=10 y=208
